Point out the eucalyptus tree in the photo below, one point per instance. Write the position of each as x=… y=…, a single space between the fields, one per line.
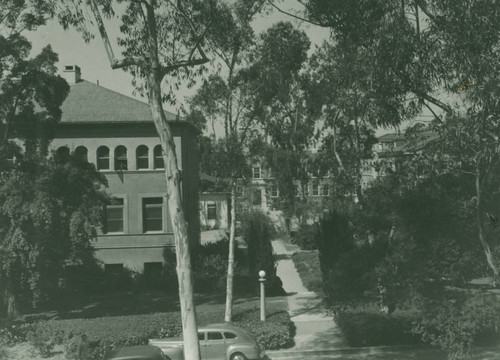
x=279 y=102
x=435 y=55
x=161 y=42
x=224 y=98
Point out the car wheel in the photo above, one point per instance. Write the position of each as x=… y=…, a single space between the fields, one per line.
x=238 y=356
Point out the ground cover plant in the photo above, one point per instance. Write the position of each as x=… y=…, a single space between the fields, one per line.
x=307 y=265
x=107 y=333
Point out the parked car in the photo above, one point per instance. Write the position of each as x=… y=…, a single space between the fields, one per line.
x=141 y=352
x=217 y=342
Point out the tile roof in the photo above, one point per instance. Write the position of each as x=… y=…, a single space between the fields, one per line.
x=91 y=103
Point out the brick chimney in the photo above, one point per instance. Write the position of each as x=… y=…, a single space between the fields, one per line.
x=72 y=74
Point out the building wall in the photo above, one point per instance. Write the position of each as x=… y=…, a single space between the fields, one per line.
x=221 y=203
x=133 y=247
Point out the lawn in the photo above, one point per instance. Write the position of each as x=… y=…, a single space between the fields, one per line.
x=307 y=265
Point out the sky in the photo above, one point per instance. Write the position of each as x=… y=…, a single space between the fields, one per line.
x=94 y=64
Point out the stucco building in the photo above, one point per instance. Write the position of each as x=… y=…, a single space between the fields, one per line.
x=116 y=133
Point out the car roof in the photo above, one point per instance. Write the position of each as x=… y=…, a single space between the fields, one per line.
x=140 y=352
x=225 y=327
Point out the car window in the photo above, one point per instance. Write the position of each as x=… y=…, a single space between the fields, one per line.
x=201 y=336
x=214 y=335
x=229 y=335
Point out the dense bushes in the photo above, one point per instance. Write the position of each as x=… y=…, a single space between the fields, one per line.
x=366 y=325
x=305 y=237
x=107 y=333
x=458 y=320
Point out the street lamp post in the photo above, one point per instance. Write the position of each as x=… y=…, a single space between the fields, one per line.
x=262 y=280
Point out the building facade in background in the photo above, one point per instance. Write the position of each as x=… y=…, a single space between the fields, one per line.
x=116 y=133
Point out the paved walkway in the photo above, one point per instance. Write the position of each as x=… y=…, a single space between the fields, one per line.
x=315 y=328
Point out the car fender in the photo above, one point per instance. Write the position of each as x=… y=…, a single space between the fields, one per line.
x=250 y=352
x=173 y=352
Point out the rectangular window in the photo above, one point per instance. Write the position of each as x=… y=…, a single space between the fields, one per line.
x=274 y=191
x=114 y=216
x=315 y=190
x=152 y=214
x=211 y=211
x=256 y=172
x=240 y=191
x=113 y=269
x=326 y=190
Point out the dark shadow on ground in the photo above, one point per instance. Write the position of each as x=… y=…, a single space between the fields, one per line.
x=135 y=303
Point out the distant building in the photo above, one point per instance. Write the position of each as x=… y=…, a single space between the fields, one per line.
x=116 y=133
x=215 y=205
x=390 y=150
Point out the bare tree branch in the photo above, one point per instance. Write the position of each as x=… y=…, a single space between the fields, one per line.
x=297 y=17
x=432 y=100
x=114 y=62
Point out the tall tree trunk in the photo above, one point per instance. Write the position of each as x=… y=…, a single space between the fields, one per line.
x=480 y=227
x=230 y=260
x=358 y=186
x=174 y=198
x=179 y=225
x=12 y=307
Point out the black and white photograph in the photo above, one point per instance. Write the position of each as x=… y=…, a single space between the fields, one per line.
x=249 y=179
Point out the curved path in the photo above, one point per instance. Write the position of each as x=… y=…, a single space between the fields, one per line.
x=316 y=330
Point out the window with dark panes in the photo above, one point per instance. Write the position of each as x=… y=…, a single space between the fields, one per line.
x=158 y=157
x=256 y=172
x=63 y=152
x=121 y=158
x=113 y=221
x=212 y=335
x=274 y=191
x=211 y=211
x=201 y=336
x=152 y=214
x=229 y=335
x=81 y=153
x=315 y=189
x=142 y=157
x=103 y=158
x=113 y=269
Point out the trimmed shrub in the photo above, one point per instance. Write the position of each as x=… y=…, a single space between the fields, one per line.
x=107 y=333
x=368 y=326
x=258 y=231
x=305 y=237
x=307 y=265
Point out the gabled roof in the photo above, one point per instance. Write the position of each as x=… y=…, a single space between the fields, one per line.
x=91 y=103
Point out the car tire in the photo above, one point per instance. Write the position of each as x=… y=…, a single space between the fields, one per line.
x=238 y=356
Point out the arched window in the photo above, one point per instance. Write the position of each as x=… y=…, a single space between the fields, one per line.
x=120 y=158
x=103 y=158
x=158 y=160
x=62 y=152
x=81 y=152
x=142 y=157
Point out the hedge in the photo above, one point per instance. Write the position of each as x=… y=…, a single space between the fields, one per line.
x=368 y=326
x=107 y=333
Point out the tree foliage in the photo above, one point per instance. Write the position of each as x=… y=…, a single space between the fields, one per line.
x=51 y=207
